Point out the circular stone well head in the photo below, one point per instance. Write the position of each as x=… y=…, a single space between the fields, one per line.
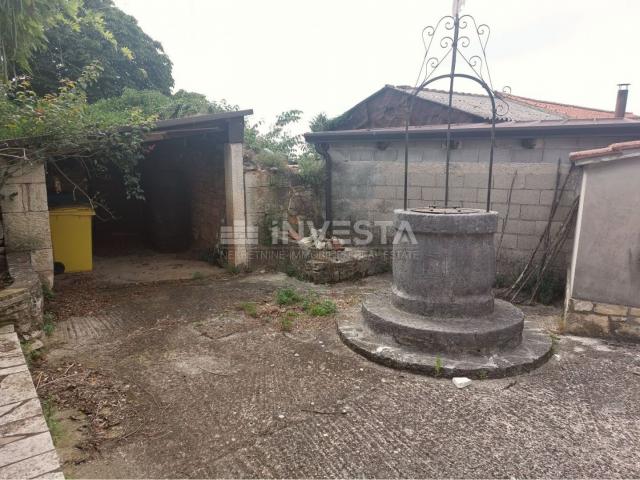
x=445 y=263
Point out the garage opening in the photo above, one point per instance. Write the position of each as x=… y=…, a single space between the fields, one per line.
x=191 y=176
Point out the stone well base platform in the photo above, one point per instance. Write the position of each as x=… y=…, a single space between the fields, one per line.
x=383 y=348
x=499 y=330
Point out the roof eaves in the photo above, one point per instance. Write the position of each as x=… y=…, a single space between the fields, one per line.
x=615 y=151
x=198 y=119
x=505 y=129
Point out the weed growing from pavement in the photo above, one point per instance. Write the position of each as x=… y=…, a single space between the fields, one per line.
x=286 y=321
x=49 y=323
x=483 y=375
x=52 y=424
x=438 y=366
x=320 y=308
x=250 y=309
x=31 y=356
x=232 y=269
x=47 y=293
x=197 y=276
x=309 y=303
x=288 y=296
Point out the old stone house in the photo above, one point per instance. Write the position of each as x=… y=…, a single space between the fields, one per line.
x=365 y=157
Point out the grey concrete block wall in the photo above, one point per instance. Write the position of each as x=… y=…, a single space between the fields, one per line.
x=368 y=183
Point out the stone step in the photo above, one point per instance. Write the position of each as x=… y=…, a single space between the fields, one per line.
x=535 y=349
x=485 y=334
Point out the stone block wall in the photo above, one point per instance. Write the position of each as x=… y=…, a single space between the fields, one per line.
x=266 y=195
x=273 y=196
x=25 y=218
x=595 y=319
x=21 y=304
x=368 y=184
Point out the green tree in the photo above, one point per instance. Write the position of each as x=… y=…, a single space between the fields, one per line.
x=276 y=140
x=102 y=32
x=22 y=30
x=159 y=105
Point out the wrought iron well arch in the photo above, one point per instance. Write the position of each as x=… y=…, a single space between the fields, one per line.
x=452 y=45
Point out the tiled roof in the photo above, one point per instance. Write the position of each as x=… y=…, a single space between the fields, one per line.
x=480 y=105
x=567 y=110
x=615 y=148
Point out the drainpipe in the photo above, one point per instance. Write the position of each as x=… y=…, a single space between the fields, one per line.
x=323 y=151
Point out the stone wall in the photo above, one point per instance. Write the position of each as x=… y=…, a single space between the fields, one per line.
x=368 y=184
x=273 y=197
x=21 y=304
x=27 y=447
x=25 y=218
x=596 y=319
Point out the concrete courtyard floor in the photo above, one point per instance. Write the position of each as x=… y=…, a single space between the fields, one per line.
x=172 y=379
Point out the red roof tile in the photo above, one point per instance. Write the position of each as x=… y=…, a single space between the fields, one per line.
x=600 y=152
x=566 y=110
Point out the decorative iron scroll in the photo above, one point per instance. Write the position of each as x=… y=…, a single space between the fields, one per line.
x=451 y=38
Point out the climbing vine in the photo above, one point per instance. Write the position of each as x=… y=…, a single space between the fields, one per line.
x=60 y=128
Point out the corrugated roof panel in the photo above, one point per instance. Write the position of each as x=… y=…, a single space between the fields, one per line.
x=480 y=105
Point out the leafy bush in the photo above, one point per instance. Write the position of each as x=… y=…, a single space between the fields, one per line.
x=52 y=128
x=277 y=139
x=268 y=159
x=311 y=169
x=276 y=148
x=158 y=105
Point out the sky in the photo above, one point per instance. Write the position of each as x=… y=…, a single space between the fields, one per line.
x=326 y=56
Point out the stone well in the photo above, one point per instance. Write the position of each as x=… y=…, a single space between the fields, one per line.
x=440 y=316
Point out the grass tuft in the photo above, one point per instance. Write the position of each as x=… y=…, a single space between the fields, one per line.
x=287 y=296
x=287 y=321
x=438 y=366
x=49 y=324
x=250 y=308
x=320 y=308
x=52 y=424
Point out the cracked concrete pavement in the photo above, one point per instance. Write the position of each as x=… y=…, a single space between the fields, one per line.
x=222 y=394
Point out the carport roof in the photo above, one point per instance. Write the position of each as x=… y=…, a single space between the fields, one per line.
x=201 y=119
x=229 y=126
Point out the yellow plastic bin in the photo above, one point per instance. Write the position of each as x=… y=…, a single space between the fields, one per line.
x=71 y=238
